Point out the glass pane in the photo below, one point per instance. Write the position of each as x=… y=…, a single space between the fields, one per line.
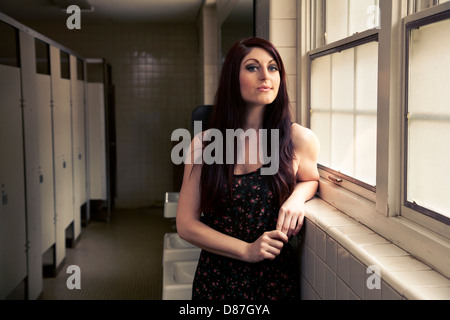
x=428 y=161
x=321 y=83
x=430 y=70
x=366 y=146
x=336 y=20
x=343 y=18
x=321 y=124
x=366 y=77
x=344 y=110
x=364 y=15
x=429 y=117
x=343 y=75
x=342 y=144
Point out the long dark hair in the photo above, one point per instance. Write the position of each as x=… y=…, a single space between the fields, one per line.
x=229 y=113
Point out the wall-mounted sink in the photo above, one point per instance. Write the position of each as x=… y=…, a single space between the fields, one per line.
x=177 y=249
x=177 y=280
x=171 y=204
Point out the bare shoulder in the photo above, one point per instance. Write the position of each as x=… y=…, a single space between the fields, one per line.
x=304 y=139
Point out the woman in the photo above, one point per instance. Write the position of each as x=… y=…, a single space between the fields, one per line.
x=248 y=218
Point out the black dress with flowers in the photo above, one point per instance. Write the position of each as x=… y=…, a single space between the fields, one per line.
x=246 y=216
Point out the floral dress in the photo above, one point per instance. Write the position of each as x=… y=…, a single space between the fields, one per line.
x=246 y=216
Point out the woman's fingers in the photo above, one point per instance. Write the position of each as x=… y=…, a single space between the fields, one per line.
x=289 y=222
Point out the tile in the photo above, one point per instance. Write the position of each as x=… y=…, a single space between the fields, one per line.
x=387 y=293
x=354 y=229
x=310 y=234
x=283 y=33
x=342 y=290
x=429 y=293
x=331 y=254
x=384 y=250
x=343 y=264
x=289 y=56
x=363 y=239
x=319 y=277
x=357 y=277
x=321 y=242
x=402 y=263
x=309 y=262
x=283 y=9
x=330 y=284
x=306 y=291
x=422 y=278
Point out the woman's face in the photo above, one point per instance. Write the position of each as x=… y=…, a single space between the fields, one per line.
x=259 y=78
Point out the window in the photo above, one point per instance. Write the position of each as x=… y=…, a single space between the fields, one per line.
x=419 y=5
x=381 y=143
x=343 y=91
x=333 y=20
x=427 y=124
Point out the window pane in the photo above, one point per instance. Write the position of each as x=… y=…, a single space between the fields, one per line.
x=344 y=18
x=344 y=110
x=429 y=117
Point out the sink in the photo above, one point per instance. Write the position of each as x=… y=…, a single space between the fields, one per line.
x=177 y=280
x=177 y=249
x=171 y=204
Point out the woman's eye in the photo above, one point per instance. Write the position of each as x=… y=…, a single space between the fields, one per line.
x=273 y=68
x=252 y=68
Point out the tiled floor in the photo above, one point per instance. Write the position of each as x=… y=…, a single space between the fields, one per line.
x=118 y=260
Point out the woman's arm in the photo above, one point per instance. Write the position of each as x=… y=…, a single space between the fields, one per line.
x=191 y=229
x=292 y=212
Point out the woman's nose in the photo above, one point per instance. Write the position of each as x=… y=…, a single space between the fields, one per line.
x=264 y=74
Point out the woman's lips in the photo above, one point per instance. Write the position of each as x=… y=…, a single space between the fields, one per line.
x=264 y=89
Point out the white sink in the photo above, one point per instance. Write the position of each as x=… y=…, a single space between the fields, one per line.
x=177 y=249
x=171 y=204
x=177 y=280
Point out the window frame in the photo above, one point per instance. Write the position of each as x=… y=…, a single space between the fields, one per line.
x=347 y=182
x=412 y=211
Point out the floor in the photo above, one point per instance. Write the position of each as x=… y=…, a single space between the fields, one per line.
x=118 y=260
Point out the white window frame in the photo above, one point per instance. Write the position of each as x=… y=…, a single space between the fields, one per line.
x=423 y=216
x=382 y=210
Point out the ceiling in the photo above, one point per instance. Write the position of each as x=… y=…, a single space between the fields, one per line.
x=104 y=10
x=110 y=10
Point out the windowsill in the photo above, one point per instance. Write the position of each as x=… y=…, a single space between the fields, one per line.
x=410 y=277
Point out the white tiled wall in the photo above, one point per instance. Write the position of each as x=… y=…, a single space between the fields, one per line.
x=276 y=21
x=331 y=272
x=157 y=78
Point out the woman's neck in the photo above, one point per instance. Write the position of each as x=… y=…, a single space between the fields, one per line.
x=254 y=118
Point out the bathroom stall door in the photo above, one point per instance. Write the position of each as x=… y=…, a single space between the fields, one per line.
x=45 y=142
x=79 y=144
x=31 y=144
x=13 y=260
x=62 y=145
x=97 y=141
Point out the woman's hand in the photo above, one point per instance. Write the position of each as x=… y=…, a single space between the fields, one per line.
x=267 y=246
x=291 y=216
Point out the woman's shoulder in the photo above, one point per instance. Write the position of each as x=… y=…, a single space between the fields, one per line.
x=303 y=138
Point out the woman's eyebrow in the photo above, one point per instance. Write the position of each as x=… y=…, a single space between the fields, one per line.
x=271 y=61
